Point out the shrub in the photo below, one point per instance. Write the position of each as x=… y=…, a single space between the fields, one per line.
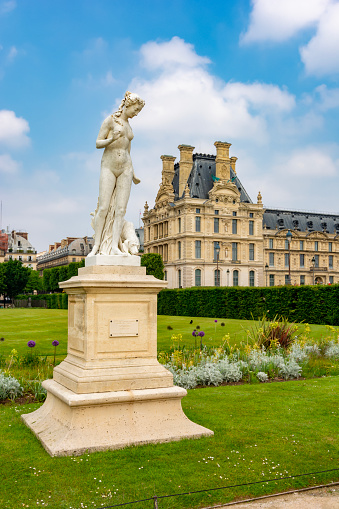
x=9 y=387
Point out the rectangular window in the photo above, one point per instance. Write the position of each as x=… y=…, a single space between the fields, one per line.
x=330 y=247
x=302 y=279
x=234 y=251
x=287 y=279
x=251 y=228
x=270 y=243
x=217 y=277
x=302 y=261
x=179 y=250
x=251 y=279
x=198 y=277
x=286 y=244
x=330 y=262
x=286 y=259
x=234 y=226
x=271 y=277
x=234 y=213
x=251 y=214
x=235 y=278
x=197 y=211
x=179 y=224
x=179 y=278
x=251 y=251
x=216 y=225
x=331 y=281
x=316 y=246
x=198 y=248
x=301 y=245
x=216 y=212
x=165 y=275
x=197 y=223
x=271 y=259
x=316 y=260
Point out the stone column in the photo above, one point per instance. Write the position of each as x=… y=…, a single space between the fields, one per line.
x=222 y=160
x=185 y=165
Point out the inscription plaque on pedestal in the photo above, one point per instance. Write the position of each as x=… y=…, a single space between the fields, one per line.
x=118 y=328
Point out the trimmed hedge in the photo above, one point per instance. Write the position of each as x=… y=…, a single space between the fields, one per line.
x=310 y=304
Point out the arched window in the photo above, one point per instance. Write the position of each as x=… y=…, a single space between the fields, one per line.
x=235 y=278
x=251 y=277
x=197 y=277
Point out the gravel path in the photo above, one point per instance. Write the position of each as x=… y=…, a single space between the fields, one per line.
x=323 y=498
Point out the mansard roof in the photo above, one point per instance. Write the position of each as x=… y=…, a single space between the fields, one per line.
x=301 y=221
x=200 y=180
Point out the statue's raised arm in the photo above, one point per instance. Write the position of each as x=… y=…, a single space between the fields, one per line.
x=116 y=178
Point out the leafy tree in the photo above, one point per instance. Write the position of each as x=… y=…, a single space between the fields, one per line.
x=16 y=277
x=34 y=282
x=154 y=265
x=2 y=279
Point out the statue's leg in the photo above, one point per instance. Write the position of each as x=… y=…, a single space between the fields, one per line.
x=106 y=186
x=123 y=190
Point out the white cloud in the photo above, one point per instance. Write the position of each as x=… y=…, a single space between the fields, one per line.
x=312 y=162
x=329 y=98
x=279 y=20
x=13 y=129
x=7 y=6
x=8 y=165
x=161 y=55
x=194 y=105
x=321 y=56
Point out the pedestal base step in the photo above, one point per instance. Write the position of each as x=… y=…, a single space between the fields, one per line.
x=72 y=424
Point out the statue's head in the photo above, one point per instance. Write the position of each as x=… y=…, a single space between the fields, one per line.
x=131 y=103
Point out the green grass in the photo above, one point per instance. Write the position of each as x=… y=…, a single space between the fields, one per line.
x=261 y=432
x=18 y=326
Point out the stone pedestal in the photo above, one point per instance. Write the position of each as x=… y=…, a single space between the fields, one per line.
x=111 y=391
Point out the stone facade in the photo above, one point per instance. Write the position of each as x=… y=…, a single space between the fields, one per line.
x=71 y=249
x=201 y=204
x=16 y=246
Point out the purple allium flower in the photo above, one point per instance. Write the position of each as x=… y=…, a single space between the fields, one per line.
x=215 y=321
x=201 y=333
x=194 y=333
x=55 y=342
x=31 y=344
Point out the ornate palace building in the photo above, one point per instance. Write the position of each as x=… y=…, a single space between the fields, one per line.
x=210 y=233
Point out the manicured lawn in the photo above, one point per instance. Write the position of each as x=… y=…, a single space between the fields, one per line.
x=261 y=432
x=18 y=326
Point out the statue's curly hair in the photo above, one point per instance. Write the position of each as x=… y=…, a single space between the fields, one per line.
x=128 y=99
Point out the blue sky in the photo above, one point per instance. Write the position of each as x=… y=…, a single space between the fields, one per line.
x=262 y=75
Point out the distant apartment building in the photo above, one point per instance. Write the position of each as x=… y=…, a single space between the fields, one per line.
x=71 y=249
x=210 y=233
x=16 y=246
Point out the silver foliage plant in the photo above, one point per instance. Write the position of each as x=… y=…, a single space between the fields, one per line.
x=9 y=387
x=217 y=369
x=332 y=350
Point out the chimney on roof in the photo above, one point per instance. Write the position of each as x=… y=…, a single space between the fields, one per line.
x=185 y=166
x=233 y=162
x=167 y=169
x=222 y=160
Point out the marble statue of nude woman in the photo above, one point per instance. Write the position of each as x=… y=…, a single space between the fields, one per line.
x=116 y=176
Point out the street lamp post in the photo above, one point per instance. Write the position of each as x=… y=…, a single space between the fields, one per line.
x=313 y=267
x=266 y=269
x=289 y=238
x=217 y=250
